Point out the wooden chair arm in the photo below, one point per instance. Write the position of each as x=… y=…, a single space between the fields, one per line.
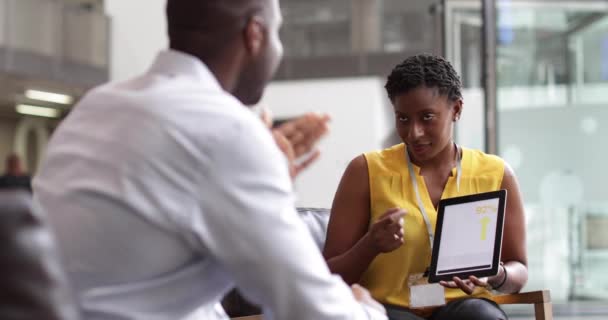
x=540 y=299
x=524 y=298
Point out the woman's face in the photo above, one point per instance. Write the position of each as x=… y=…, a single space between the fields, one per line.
x=425 y=121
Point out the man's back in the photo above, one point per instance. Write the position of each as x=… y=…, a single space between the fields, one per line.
x=124 y=207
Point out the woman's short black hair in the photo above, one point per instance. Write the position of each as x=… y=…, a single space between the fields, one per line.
x=424 y=70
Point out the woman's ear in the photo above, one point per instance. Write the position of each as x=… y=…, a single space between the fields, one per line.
x=457 y=109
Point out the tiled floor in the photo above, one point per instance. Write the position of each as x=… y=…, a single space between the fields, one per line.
x=564 y=318
x=563 y=311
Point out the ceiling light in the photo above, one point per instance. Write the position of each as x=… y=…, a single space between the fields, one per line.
x=49 y=96
x=37 y=111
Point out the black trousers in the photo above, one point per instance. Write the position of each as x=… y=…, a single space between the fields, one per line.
x=462 y=309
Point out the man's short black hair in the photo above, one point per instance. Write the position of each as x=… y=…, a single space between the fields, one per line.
x=424 y=70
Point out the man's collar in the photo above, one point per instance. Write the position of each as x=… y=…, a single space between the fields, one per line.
x=173 y=62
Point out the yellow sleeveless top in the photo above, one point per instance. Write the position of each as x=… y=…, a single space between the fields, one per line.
x=391 y=187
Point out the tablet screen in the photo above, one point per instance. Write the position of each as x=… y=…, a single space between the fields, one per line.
x=468 y=236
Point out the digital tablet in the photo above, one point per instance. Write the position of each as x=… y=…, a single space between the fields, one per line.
x=468 y=236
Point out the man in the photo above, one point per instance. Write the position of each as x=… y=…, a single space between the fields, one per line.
x=165 y=191
x=15 y=177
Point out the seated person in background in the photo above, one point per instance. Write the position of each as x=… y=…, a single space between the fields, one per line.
x=14 y=177
x=377 y=234
x=33 y=283
x=165 y=191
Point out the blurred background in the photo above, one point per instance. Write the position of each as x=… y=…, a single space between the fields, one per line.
x=536 y=93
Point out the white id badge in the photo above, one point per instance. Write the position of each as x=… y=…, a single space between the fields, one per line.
x=424 y=294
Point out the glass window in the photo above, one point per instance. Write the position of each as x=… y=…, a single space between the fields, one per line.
x=552 y=90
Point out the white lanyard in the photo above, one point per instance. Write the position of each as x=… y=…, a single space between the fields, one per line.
x=427 y=221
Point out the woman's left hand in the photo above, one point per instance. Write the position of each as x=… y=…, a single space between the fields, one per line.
x=466 y=285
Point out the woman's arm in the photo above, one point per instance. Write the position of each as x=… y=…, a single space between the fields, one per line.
x=514 y=252
x=350 y=247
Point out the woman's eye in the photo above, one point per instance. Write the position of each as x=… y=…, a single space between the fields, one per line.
x=402 y=119
x=428 y=117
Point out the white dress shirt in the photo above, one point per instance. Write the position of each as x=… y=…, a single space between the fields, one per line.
x=165 y=191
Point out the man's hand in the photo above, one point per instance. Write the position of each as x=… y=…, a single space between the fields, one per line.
x=298 y=137
x=364 y=298
x=305 y=131
x=285 y=147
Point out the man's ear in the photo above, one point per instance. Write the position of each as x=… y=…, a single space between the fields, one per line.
x=254 y=36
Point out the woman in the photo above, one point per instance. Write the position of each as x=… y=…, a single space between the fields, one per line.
x=377 y=233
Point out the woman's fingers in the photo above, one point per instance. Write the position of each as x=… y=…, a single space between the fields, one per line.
x=465 y=285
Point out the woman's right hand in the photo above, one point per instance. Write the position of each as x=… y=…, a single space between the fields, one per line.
x=386 y=234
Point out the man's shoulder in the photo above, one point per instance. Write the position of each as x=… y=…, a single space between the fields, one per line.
x=164 y=118
x=179 y=102
x=168 y=92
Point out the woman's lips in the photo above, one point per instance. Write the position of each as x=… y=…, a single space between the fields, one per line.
x=420 y=148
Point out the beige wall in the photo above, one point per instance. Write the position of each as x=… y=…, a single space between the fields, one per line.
x=138 y=33
x=32 y=25
x=47 y=28
x=27 y=137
